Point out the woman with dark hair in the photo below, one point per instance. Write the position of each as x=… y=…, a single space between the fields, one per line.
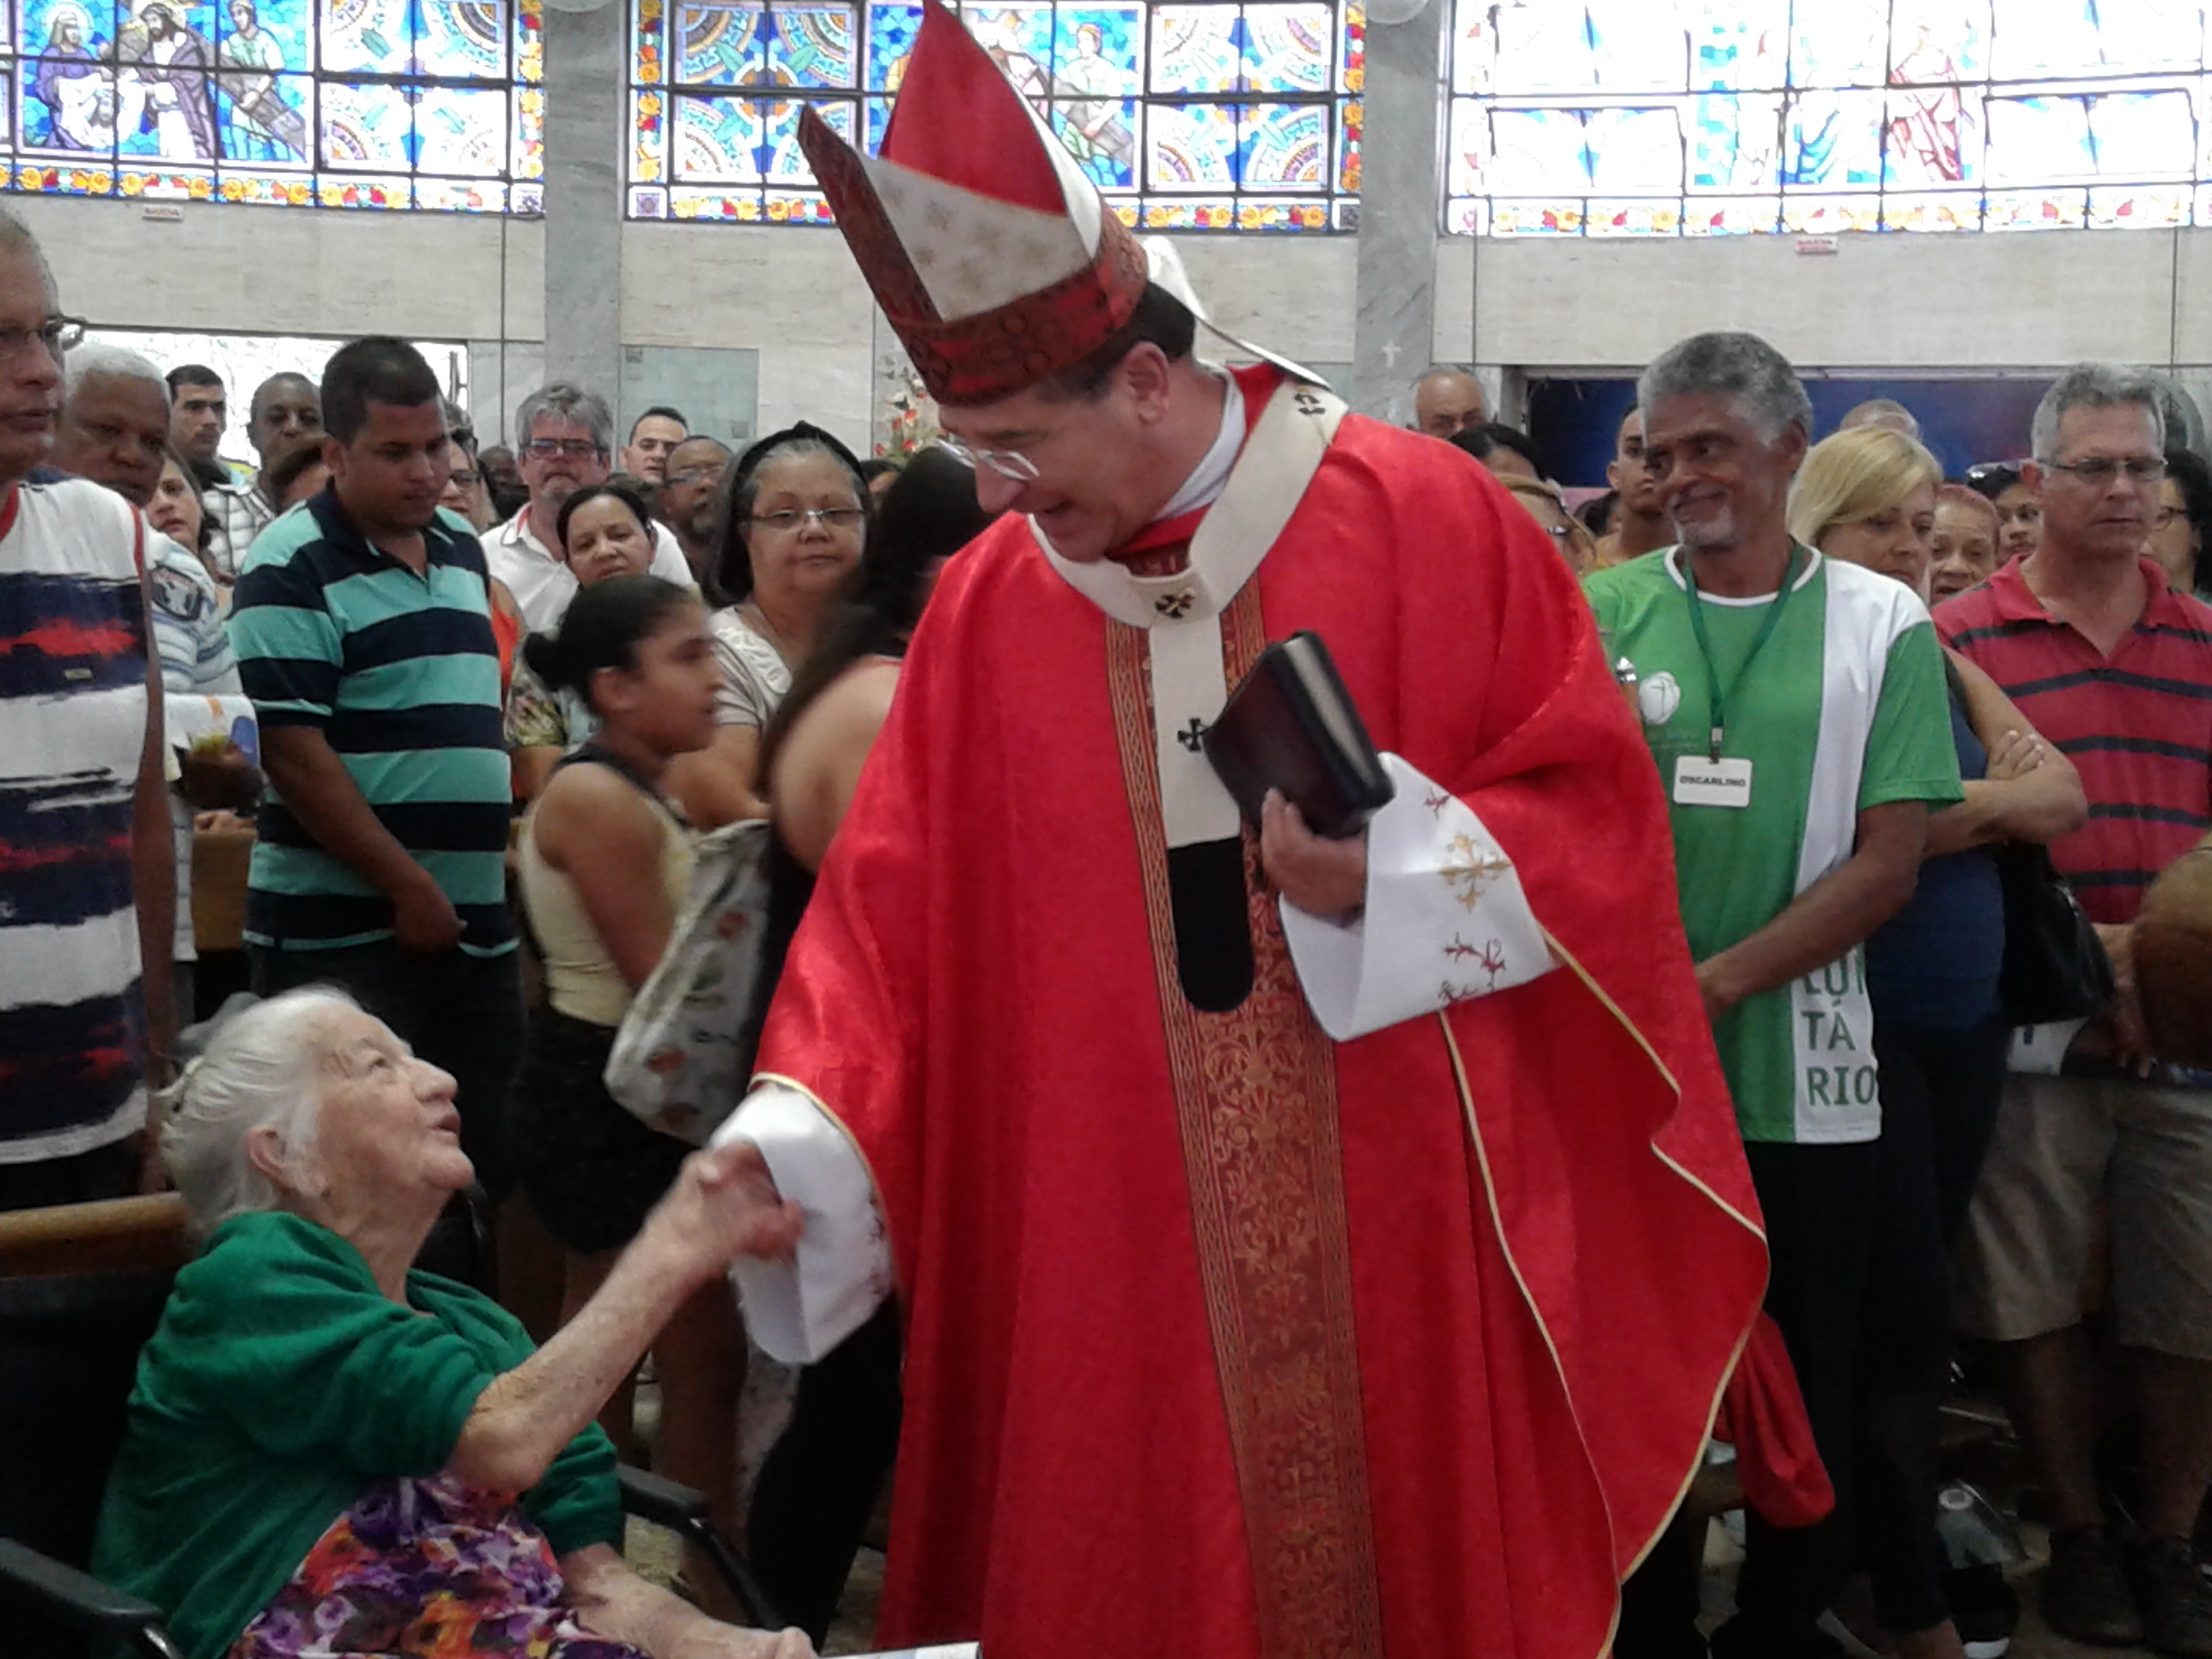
x=603 y=531
x=2179 y=528
x=2019 y=509
x=819 y=1485
x=604 y=862
x=1507 y=451
x=795 y=515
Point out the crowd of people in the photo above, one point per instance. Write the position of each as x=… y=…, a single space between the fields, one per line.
x=1778 y=1010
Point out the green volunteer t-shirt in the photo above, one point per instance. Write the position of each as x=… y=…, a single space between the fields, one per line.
x=1844 y=707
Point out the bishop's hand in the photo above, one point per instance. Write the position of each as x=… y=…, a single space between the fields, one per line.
x=1322 y=878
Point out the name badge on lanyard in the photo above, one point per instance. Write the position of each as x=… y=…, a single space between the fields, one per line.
x=1699 y=781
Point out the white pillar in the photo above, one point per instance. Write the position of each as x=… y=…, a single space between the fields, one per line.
x=1400 y=206
x=586 y=134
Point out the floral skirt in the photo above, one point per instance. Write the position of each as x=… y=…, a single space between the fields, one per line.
x=428 y=1569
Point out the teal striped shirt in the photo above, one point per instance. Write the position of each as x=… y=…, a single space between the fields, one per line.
x=400 y=674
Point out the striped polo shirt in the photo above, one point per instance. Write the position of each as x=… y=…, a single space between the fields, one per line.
x=2137 y=724
x=400 y=674
x=73 y=713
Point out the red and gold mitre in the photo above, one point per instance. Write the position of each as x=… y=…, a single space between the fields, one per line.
x=993 y=255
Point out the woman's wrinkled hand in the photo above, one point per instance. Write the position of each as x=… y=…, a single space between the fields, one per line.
x=724 y=1203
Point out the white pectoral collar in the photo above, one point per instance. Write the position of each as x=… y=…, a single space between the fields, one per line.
x=1206 y=585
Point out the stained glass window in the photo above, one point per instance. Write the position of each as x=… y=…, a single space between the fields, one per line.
x=1623 y=117
x=432 y=104
x=1201 y=114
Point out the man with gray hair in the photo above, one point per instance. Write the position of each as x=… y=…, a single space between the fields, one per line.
x=1885 y=413
x=564 y=440
x=113 y=430
x=2097 y=1190
x=114 y=425
x=1447 y=400
x=1797 y=709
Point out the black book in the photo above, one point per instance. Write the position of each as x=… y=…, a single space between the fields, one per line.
x=1292 y=727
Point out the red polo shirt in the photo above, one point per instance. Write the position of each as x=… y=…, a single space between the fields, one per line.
x=2137 y=725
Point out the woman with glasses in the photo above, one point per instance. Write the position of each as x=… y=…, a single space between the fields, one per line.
x=797 y=515
x=1870 y=496
x=2179 y=526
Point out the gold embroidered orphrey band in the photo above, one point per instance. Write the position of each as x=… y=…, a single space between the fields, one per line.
x=1255 y=1097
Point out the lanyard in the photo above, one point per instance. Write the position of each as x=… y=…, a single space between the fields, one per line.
x=1704 y=646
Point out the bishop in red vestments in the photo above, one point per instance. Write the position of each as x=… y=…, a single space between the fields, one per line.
x=1309 y=1250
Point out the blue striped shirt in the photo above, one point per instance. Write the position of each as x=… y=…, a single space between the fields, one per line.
x=400 y=674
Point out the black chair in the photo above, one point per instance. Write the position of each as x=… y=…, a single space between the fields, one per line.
x=82 y=1288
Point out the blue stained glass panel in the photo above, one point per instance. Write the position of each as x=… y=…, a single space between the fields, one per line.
x=890 y=40
x=1195 y=49
x=1099 y=50
x=1019 y=41
x=369 y=128
x=1287 y=48
x=1838 y=43
x=1933 y=41
x=1538 y=152
x=1190 y=147
x=1635 y=152
x=462 y=40
x=367 y=35
x=2053 y=140
x=1739 y=46
x=265 y=119
x=1544 y=48
x=1833 y=141
x=1934 y=137
x=1282 y=147
x=1638 y=46
x=270 y=37
x=879 y=118
x=743 y=141
x=719 y=46
x=1735 y=142
x=164 y=89
x=1102 y=134
x=813 y=46
x=461 y=131
x=69 y=105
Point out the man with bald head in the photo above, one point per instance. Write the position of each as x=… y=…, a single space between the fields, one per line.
x=1447 y=400
x=690 y=502
x=287 y=409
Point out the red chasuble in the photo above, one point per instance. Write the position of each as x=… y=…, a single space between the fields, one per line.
x=1222 y=1338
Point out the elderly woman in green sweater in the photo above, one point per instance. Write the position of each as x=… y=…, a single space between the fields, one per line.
x=329 y=1454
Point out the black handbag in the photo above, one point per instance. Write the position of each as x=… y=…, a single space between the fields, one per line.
x=2055 y=965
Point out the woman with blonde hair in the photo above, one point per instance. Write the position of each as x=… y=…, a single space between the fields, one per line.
x=1870 y=496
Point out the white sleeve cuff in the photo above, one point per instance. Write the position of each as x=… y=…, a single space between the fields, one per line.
x=1445 y=919
x=800 y=1309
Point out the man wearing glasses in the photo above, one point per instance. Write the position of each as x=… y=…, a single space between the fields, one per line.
x=565 y=440
x=87 y=885
x=2116 y=667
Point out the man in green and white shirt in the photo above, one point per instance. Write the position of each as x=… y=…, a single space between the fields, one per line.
x=1797 y=712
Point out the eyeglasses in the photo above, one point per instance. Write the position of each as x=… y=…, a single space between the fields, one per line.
x=692 y=475
x=466 y=480
x=57 y=334
x=1009 y=463
x=576 y=449
x=831 y=518
x=2101 y=470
